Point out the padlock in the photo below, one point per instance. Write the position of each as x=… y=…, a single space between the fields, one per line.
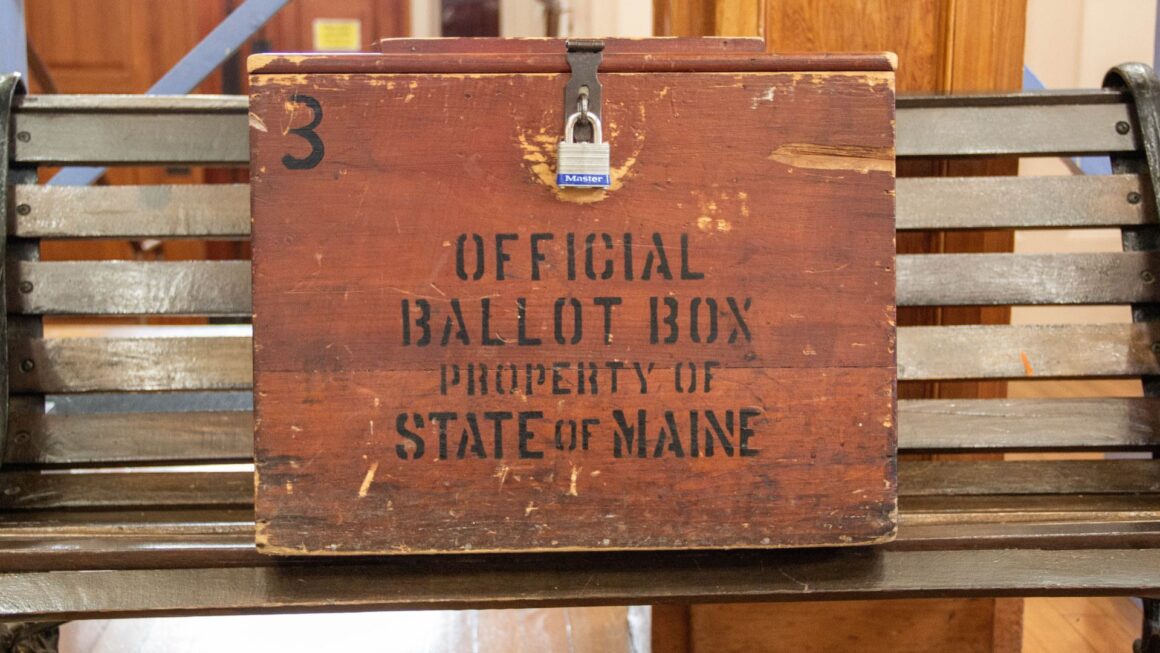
x=583 y=165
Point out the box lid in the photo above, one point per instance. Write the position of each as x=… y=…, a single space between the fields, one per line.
x=547 y=55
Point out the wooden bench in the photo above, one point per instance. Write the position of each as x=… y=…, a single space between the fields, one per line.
x=125 y=489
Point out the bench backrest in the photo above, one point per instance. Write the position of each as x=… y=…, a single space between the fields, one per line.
x=115 y=399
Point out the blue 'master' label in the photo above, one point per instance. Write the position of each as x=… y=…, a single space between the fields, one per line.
x=586 y=181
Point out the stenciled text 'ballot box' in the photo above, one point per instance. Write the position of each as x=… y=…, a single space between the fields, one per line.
x=461 y=343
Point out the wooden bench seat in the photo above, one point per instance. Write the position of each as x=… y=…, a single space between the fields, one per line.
x=126 y=488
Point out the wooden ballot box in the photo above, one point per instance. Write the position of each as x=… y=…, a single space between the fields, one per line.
x=529 y=295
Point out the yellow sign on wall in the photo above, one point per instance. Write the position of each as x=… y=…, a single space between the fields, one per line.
x=337 y=35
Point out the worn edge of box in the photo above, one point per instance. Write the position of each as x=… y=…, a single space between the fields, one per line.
x=509 y=63
x=263 y=545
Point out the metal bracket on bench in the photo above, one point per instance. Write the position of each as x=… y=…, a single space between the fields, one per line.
x=1141 y=83
x=1143 y=86
x=10 y=87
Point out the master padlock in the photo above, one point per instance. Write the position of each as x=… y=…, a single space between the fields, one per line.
x=583 y=165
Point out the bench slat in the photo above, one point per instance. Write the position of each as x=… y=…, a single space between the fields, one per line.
x=1013 y=130
x=1018 y=202
x=163 y=211
x=986 y=99
x=160 y=104
x=62 y=365
x=21 y=490
x=103 y=132
x=130 y=364
x=205 y=102
x=215 y=537
x=930 y=510
x=1028 y=424
x=130 y=288
x=223 y=287
x=1006 y=508
x=140 y=546
x=36 y=491
x=416 y=583
x=223 y=210
x=1095 y=533
x=1012 y=279
x=75 y=523
x=130 y=438
x=1027 y=351
x=129 y=138
x=953 y=477
x=923 y=425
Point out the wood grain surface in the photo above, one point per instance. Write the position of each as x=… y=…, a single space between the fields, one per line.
x=627 y=62
x=1032 y=202
x=83 y=129
x=431 y=310
x=218 y=211
x=924 y=353
x=584 y=579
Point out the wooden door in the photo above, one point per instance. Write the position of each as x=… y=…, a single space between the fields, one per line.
x=120 y=46
x=294 y=28
x=943 y=46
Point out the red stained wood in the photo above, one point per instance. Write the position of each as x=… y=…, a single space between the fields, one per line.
x=627 y=62
x=770 y=196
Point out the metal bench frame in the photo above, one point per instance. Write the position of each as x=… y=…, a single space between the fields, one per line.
x=77 y=545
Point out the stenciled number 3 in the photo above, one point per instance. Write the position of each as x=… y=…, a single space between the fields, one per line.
x=317 y=149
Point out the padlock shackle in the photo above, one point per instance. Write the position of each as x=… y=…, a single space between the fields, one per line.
x=570 y=128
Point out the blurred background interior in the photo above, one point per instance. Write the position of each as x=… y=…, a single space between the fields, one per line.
x=124 y=46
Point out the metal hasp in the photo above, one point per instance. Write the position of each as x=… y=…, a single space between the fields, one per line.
x=10 y=87
x=584 y=57
x=1141 y=83
x=583 y=160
